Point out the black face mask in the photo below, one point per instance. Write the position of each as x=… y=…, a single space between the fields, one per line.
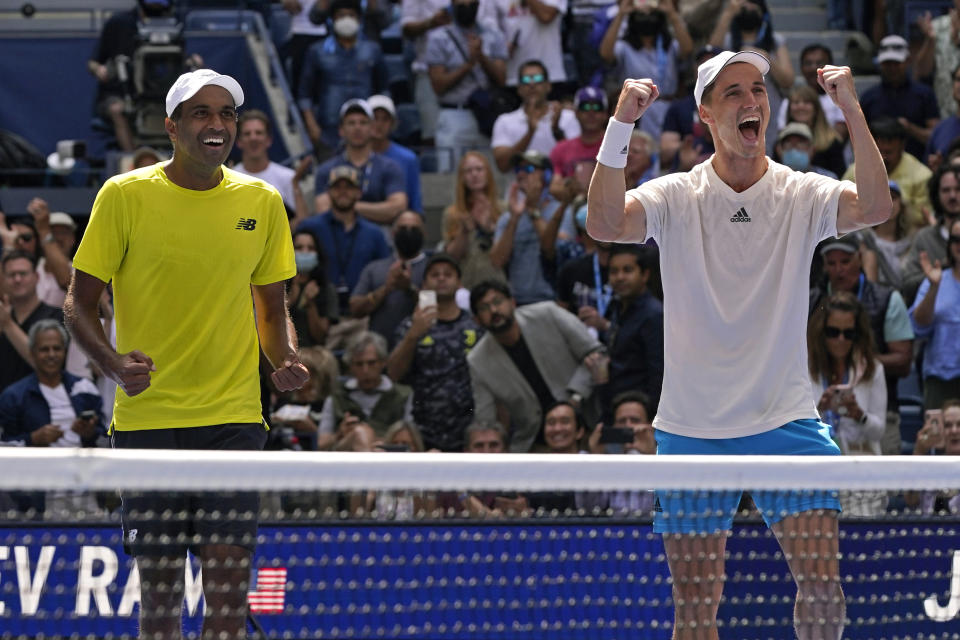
x=408 y=241
x=749 y=20
x=466 y=14
x=644 y=24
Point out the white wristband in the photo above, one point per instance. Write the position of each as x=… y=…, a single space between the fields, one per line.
x=616 y=141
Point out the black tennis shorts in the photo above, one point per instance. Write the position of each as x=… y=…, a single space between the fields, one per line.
x=164 y=523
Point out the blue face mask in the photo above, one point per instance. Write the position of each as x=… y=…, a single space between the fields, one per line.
x=796 y=159
x=307 y=261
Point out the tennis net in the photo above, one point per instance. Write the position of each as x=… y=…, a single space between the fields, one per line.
x=487 y=546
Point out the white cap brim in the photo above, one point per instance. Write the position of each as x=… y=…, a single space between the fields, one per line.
x=189 y=84
x=708 y=71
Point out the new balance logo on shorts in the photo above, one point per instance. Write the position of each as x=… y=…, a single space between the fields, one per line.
x=740 y=216
x=247 y=224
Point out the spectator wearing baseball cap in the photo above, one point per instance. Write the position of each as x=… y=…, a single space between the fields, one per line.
x=795 y=149
x=56 y=239
x=430 y=355
x=892 y=331
x=382 y=182
x=652 y=44
x=337 y=69
x=899 y=97
x=591 y=108
x=519 y=242
x=348 y=241
x=384 y=124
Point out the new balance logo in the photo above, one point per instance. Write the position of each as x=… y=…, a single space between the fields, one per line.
x=740 y=216
x=247 y=224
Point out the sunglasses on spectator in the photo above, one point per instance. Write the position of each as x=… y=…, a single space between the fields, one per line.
x=527 y=168
x=836 y=332
x=25 y=237
x=536 y=78
x=952 y=239
x=590 y=106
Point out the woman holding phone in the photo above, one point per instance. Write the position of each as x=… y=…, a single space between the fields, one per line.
x=848 y=379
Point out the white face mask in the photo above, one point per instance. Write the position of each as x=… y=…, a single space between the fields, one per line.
x=346 y=27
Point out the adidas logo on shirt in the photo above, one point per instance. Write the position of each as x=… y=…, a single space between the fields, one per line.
x=740 y=216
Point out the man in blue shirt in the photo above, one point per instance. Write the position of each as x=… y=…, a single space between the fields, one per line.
x=348 y=241
x=384 y=123
x=383 y=193
x=945 y=132
x=341 y=67
x=913 y=104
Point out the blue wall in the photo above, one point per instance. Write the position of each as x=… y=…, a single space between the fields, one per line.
x=46 y=93
x=571 y=581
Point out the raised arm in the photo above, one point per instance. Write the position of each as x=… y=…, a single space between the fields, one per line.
x=869 y=204
x=610 y=217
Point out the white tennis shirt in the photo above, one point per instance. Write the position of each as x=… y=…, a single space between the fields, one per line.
x=736 y=269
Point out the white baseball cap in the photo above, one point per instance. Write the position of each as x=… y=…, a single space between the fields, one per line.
x=709 y=70
x=893 y=48
x=188 y=84
x=382 y=102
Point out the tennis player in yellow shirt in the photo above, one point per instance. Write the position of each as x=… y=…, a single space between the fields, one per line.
x=198 y=255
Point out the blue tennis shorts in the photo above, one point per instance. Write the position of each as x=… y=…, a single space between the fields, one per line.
x=713 y=511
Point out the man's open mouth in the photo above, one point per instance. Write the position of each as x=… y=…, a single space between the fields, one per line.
x=750 y=127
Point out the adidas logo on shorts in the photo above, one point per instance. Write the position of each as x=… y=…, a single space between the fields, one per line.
x=740 y=216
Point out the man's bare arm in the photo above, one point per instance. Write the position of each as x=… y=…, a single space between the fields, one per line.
x=611 y=217
x=131 y=371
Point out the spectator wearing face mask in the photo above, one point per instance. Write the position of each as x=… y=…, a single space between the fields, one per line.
x=648 y=49
x=795 y=149
x=387 y=289
x=341 y=67
x=311 y=297
x=746 y=25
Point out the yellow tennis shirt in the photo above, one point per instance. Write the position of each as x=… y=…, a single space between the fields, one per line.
x=182 y=263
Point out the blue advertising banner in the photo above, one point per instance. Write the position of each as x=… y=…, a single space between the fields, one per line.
x=570 y=580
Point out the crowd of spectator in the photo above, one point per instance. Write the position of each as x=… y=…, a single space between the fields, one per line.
x=517 y=332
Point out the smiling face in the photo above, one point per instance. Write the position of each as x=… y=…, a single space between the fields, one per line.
x=840 y=322
x=253 y=138
x=560 y=430
x=49 y=354
x=737 y=111
x=801 y=110
x=627 y=278
x=205 y=131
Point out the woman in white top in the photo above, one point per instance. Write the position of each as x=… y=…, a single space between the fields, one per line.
x=848 y=379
